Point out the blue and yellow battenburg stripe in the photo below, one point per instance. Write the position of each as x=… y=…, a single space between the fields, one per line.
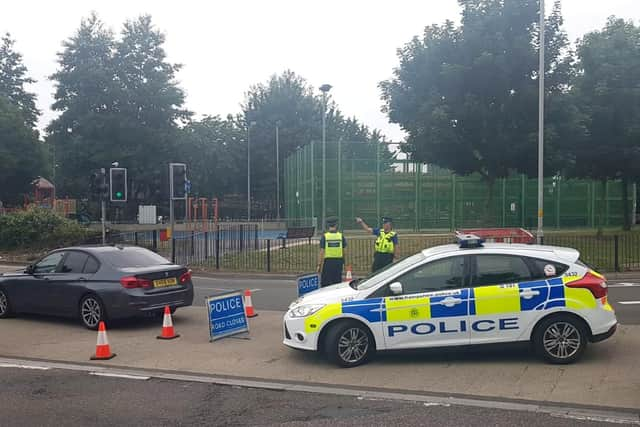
x=485 y=300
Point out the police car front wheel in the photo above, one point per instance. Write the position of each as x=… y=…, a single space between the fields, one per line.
x=560 y=339
x=349 y=344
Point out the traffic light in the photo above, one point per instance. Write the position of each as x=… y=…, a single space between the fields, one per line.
x=179 y=182
x=118 y=184
x=98 y=187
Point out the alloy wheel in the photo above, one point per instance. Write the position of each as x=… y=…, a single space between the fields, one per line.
x=561 y=340
x=353 y=345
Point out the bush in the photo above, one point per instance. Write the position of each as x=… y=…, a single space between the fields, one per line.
x=38 y=228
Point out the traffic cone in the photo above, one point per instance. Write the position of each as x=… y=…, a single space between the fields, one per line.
x=168 y=333
x=349 y=275
x=103 y=352
x=248 y=304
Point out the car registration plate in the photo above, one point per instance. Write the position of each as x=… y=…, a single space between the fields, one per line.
x=163 y=283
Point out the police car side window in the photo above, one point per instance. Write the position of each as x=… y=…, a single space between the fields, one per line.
x=497 y=269
x=437 y=275
x=544 y=269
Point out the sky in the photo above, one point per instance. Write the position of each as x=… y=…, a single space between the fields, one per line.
x=227 y=46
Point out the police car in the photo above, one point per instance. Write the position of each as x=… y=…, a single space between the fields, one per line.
x=459 y=294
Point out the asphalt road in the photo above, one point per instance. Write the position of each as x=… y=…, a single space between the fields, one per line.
x=67 y=398
x=270 y=294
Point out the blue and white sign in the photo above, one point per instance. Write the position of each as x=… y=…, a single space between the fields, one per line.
x=226 y=315
x=308 y=283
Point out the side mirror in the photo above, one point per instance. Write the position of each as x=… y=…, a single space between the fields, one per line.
x=396 y=288
x=30 y=269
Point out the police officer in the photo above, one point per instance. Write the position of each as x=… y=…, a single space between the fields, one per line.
x=386 y=248
x=331 y=259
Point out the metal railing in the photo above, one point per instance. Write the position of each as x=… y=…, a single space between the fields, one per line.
x=243 y=248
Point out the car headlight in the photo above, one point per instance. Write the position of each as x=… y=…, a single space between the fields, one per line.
x=305 y=310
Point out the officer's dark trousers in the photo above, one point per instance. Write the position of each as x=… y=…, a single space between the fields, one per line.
x=381 y=260
x=331 y=271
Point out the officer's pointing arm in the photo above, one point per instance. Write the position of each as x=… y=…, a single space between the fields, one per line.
x=364 y=225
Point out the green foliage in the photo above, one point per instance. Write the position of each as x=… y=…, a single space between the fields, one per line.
x=23 y=156
x=13 y=80
x=288 y=101
x=119 y=101
x=38 y=228
x=214 y=150
x=467 y=95
x=608 y=91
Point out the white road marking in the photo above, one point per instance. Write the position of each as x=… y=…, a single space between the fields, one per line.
x=21 y=366
x=116 y=375
x=624 y=285
x=629 y=302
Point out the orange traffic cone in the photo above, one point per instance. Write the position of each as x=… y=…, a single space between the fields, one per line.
x=248 y=304
x=349 y=276
x=168 y=333
x=103 y=352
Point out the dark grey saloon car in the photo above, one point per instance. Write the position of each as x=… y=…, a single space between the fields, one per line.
x=96 y=283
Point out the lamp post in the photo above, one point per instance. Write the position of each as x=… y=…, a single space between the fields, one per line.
x=325 y=88
x=249 y=124
x=278 y=169
x=539 y=234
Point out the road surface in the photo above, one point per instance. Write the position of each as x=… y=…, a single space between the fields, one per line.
x=59 y=398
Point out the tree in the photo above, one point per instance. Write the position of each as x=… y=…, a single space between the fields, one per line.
x=215 y=150
x=120 y=102
x=23 y=156
x=87 y=96
x=467 y=95
x=150 y=107
x=13 y=79
x=607 y=89
x=288 y=101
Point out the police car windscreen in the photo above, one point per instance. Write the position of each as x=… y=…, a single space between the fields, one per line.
x=390 y=270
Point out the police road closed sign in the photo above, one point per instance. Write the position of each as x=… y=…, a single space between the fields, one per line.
x=308 y=283
x=226 y=315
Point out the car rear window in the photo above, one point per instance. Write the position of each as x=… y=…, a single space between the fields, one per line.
x=545 y=268
x=133 y=257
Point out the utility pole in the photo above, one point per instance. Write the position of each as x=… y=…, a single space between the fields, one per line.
x=278 y=169
x=325 y=88
x=540 y=232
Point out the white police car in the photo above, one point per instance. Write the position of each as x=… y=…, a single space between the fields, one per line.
x=455 y=295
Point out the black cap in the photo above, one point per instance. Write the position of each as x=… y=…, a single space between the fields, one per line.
x=386 y=219
x=332 y=220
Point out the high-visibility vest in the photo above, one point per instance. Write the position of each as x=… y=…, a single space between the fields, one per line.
x=384 y=242
x=333 y=245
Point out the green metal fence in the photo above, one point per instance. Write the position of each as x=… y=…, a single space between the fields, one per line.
x=364 y=180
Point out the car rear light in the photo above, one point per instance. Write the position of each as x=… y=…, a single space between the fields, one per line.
x=132 y=282
x=597 y=285
x=186 y=277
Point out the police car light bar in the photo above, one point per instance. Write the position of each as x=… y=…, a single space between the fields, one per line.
x=469 y=241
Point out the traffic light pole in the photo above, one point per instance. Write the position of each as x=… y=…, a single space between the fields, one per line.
x=103 y=206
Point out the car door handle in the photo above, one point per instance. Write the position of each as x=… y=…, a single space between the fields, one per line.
x=450 y=302
x=529 y=293
x=82 y=279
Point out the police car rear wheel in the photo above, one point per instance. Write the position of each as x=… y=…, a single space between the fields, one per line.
x=349 y=344
x=560 y=339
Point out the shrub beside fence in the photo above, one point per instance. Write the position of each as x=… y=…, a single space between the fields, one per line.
x=242 y=250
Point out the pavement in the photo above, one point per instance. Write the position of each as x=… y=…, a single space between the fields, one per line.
x=608 y=375
x=57 y=398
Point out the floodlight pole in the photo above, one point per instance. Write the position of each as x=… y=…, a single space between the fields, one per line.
x=541 y=69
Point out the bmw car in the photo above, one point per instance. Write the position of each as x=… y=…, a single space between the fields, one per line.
x=458 y=295
x=96 y=283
